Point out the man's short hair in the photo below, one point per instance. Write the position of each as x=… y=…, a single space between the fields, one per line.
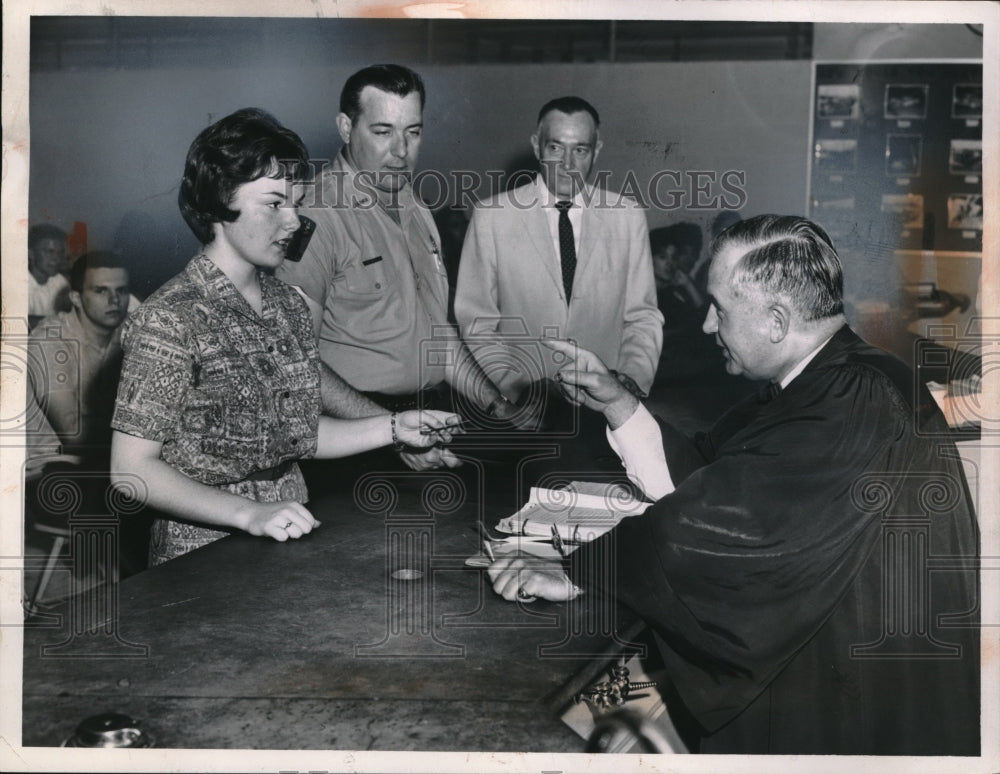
x=569 y=106
x=235 y=150
x=724 y=220
x=391 y=78
x=676 y=234
x=787 y=256
x=42 y=231
x=96 y=259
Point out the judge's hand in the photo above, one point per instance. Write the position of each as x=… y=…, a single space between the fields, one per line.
x=517 y=577
x=282 y=520
x=430 y=459
x=586 y=381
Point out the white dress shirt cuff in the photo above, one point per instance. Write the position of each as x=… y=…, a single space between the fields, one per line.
x=639 y=444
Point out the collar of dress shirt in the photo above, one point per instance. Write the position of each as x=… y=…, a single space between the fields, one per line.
x=549 y=199
x=803 y=363
x=74 y=329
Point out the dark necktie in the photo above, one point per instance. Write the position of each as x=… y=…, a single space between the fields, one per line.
x=769 y=393
x=567 y=248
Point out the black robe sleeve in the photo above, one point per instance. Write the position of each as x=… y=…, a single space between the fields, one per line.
x=763 y=536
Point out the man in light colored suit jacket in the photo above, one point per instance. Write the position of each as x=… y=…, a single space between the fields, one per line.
x=520 y=278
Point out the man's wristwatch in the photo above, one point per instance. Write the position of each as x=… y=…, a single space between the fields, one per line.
x=629 y=384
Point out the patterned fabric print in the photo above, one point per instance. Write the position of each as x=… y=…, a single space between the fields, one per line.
x=228 y=393
x=170 y=539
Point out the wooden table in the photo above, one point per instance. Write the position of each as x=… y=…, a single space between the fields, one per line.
x=313 y=644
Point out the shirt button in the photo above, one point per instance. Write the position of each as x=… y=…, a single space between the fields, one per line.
x=378 y=286
x=286 y=394
x=270 y=347
x=295 y=442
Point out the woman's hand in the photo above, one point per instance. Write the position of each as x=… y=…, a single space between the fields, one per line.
x=518 y=577
x=414 y=429
x=430 y=459
x=140 y=473
x=282 y=520
x=421 y=429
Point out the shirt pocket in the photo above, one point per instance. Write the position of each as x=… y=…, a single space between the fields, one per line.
x=204 y=417
x=367 y=276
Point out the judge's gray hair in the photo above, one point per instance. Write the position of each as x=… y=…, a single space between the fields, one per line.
x=790 y=257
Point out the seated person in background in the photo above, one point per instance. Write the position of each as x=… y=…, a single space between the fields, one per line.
x=40 y=440
x=682 y=300
x=46 y=264
x=766 y=566
x=74 y=365
x=220 y=387
x=676 y=249
x=76 y=357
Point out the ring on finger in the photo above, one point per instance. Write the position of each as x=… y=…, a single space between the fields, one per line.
x=287 y=524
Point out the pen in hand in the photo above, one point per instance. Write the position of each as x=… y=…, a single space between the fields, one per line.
x=458 y=427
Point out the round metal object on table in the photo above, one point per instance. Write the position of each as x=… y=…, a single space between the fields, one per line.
x=110 y=729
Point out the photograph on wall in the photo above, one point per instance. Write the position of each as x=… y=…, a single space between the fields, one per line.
x=905 y=101
x=833 y=205
x=836 y=155
x=967 y=100
x=838 y=101
x=909 y=208
x=933 y=155
x=902 y=154
x=965 y=157
x=965 y=211
x=836 y=215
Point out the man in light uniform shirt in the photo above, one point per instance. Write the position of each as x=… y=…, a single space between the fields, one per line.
x=372 y=274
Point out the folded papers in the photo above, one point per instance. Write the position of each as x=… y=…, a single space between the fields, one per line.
x=581 y=512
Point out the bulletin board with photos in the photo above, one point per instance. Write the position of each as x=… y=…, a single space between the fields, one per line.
x=897 y=155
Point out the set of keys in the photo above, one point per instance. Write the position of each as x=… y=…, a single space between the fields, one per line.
x=615 y=691
x=557 y=543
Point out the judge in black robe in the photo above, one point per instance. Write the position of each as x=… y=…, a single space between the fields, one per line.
x=811 y=579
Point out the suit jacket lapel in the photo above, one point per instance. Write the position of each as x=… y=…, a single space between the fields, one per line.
x=541 y=238
x=592 y=234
